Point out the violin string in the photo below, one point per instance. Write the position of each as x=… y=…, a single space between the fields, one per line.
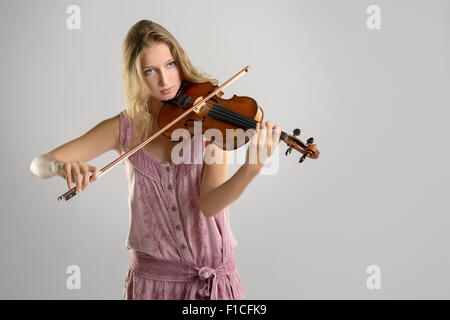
x=244 y=121
x=220 y=116
x=237 y=118
x=250 y=121
x=225 y=116
x=231 y=121
x=229 y=115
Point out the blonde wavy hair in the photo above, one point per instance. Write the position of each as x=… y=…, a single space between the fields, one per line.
x=140 y=37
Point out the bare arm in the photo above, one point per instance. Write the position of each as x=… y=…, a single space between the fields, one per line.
x=216 y=192
x=68 y=160
x=98 y=140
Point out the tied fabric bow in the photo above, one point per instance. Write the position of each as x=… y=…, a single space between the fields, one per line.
x=210 y=275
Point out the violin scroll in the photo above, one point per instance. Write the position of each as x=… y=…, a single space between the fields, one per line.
x=308 y=150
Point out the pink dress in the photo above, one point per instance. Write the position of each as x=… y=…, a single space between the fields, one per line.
x=177 y=253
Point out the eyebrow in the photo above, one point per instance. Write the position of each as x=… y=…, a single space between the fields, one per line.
x=154 y=66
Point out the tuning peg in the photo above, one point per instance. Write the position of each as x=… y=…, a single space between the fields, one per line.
x=296 y=132
x=310 y=141
x=289 y=150
x=302 y=158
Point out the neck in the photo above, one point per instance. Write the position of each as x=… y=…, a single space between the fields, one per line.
x=154 y=106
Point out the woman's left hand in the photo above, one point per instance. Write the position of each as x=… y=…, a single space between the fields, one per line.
x=263 y=143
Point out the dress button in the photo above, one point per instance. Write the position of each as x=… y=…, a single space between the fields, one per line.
x=178 y=227
x=169 y=187
x=183 y=246
x=167 y=169
x=174 y=208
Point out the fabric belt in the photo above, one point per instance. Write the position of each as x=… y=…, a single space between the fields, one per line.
x=168 y=270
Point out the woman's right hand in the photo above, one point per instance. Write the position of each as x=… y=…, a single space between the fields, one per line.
x=78 y=172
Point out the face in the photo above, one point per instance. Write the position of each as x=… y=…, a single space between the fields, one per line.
x=160 y=72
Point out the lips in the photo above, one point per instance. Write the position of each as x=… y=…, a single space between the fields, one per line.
x=166 y=91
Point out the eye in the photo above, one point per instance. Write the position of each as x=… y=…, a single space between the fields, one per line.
x=171 y=63
x=146 y=71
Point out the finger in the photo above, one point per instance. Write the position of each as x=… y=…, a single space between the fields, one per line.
x=86 y=176
x=277 y=130
x=262 y=147
x=262 y=135
x=68 y=170
x=77 y=176
x=95 y=173
x=276 y=134
x=269 y=138
x=74 y=178
x=255 y=137
x=252 y=151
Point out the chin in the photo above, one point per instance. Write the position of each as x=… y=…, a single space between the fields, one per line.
x=167 y=97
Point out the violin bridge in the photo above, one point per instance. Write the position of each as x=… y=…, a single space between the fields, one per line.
x=197 y=108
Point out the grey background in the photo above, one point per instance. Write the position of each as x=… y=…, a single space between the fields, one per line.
x=376 y=102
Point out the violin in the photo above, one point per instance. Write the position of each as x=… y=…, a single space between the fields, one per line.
x=225 y=115
x=202 y=102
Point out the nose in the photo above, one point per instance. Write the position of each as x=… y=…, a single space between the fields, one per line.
x=162 y=79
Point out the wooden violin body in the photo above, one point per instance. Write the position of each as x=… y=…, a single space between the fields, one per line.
x=224 y=115
x=231 y=117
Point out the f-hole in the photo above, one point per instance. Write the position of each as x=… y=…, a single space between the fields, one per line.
x=193 y=120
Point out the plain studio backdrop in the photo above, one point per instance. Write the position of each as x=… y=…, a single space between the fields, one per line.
x=376 y=101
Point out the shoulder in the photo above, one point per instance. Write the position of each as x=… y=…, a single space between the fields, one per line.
x=112 y=126
x=113 y=122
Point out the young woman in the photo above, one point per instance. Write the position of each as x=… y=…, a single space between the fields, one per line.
x=179 y=234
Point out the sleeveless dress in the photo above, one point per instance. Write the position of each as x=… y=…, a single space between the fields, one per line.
x=177 y=253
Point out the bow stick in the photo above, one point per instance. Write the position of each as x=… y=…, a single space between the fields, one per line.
x=197 y=105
